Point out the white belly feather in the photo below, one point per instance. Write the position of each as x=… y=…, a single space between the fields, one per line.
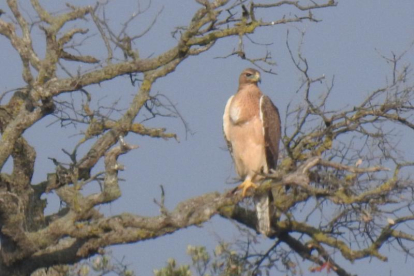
x=234 y=114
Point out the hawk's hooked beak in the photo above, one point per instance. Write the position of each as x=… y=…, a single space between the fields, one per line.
x=257 y=78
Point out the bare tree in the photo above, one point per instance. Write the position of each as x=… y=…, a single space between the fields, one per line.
x=346 y=160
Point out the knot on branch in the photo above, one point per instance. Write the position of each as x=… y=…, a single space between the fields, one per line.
x=300 y=177
x=111 y=157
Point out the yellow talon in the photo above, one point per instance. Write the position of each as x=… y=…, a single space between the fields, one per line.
x=245 y=186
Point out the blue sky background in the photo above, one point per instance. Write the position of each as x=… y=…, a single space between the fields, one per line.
x=347 y=43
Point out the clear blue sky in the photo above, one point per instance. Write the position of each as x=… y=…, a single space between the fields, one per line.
x=347 y=44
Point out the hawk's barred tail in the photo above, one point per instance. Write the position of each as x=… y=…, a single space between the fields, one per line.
x=262 y=204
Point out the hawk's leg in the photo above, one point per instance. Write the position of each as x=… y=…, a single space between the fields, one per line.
x=247 y=184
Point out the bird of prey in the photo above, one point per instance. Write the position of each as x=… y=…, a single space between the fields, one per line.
x=251 y=125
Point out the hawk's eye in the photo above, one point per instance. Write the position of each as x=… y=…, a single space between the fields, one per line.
x=248 y=74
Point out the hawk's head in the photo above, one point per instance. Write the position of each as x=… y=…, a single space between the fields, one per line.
x=249 y=75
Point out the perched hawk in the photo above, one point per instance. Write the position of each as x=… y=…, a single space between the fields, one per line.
x=251 y=125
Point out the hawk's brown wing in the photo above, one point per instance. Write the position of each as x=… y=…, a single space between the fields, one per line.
x=272 y=130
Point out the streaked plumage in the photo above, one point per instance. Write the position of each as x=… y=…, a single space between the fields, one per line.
x=251 y=125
